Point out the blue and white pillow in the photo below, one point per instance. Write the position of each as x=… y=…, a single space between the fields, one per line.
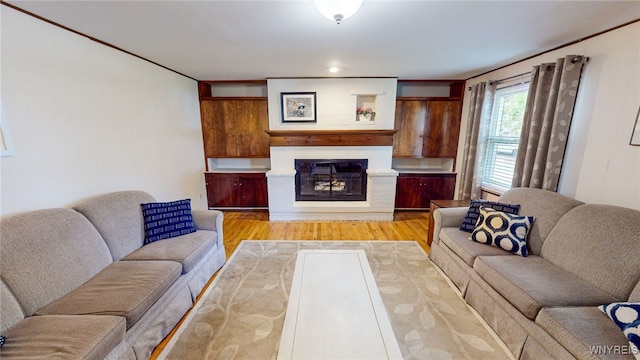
x=2 y=340
x=506 y=231
x=627 y=316
x=167 y=220
x=471 y=219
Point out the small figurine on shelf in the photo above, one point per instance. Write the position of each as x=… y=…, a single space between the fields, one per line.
x=365 y=113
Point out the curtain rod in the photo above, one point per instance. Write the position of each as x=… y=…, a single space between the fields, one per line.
x=574 y=60
x=496 y=82
x=501 y=81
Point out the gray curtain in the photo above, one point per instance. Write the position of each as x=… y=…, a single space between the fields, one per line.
x=546 y=123
x=475 y=140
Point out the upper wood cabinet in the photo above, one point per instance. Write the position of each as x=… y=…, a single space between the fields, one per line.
x=409 y=121
x=429 y=126
x=235 y=127
x=441 y=129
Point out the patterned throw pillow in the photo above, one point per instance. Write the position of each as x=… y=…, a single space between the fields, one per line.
x=167 y=220
x=503 y=230
x=2 y=340
x=471 y=219
x=627 y=316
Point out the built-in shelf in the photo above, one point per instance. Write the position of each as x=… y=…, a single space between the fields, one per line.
x=219 y=89
x=331 y=137
x=367 y=102
x=429 y=90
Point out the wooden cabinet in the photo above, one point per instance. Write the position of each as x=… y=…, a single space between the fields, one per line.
x=415 y=191
x=441 y=129
x=236 y=190
x=235 y=127
x=427 y=128
x=409 y=121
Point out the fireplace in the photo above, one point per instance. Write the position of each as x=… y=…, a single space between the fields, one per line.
x=331 y=180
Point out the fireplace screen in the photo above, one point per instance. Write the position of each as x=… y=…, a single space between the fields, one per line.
x=331 y=180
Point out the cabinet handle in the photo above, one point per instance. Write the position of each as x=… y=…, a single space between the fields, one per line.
x=235 y=184
x=240 y=184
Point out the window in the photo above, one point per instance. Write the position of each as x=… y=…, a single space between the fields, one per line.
x=504 y=135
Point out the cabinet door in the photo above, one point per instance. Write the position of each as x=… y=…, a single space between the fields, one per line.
x=415 y=191
x=251 y=190
x=408 y=192
x=252 y=121
x=218 y=127
x=437 y=187
x=409 y=121
x=441 y=129
x=220 y=189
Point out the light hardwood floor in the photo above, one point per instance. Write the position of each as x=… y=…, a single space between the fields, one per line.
x=255 y=225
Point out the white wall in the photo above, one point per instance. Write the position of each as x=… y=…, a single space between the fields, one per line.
x=86 y=119
x=600 y=165
x=336 y=102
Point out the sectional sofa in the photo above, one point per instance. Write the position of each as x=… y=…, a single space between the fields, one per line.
x=80 y=283
x=545 y=305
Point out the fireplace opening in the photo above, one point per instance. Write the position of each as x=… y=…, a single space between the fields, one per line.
x=331 y=180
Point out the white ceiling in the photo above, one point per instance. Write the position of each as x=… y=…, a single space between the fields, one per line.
x=238 y=40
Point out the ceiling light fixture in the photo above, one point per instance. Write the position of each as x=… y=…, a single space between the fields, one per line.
x=337 y=10
x=334 y=69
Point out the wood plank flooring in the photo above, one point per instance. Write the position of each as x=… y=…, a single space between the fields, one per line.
x=255 y=225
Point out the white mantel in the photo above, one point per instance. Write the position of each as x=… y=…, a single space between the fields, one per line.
x=336 y=103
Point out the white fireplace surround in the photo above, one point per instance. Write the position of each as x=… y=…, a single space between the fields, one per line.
x=336 y=103
x=381 y=185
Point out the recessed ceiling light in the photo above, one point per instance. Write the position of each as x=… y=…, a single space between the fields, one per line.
x=334 y=69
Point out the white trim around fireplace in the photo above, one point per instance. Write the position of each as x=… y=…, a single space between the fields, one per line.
x=381 y=185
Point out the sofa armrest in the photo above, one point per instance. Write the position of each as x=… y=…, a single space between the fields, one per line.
x=209 y=220
x=447 y=217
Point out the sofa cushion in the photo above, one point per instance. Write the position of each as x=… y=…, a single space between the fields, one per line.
x=581 y=329
x=9 y=307
x=59 y=249
x=471 y=219
x=125 y=288
x=599 y=244
x=504 y=230
x=165 y=220
x=63 y=337
x=626 y=315
x=635 y=294
x=118 y=218
x=458 y=242
x=188 y=249
x=530 y=283
x=546 y=206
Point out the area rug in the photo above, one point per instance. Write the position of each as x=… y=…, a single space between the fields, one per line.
x=240 y=316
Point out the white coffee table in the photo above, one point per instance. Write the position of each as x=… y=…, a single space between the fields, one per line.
x=335 y=310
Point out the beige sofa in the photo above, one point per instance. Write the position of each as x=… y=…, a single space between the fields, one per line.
x=544 y=306
x=78 y=282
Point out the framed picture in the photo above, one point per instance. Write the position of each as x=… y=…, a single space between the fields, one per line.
x=298 y=106
x=635 y=135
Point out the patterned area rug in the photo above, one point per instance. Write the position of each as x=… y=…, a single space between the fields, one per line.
x=241 y=314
